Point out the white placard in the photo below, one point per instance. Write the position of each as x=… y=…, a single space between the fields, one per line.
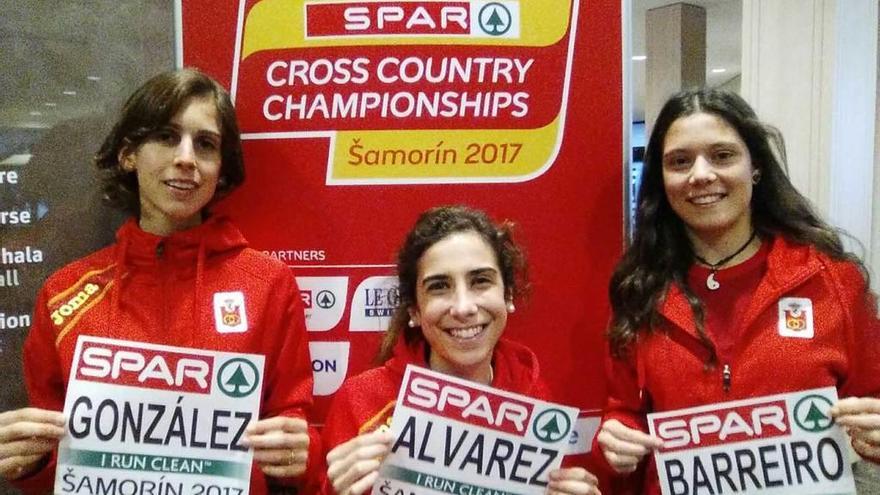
x=777 y=444
x=144 y=418
x=458 y=437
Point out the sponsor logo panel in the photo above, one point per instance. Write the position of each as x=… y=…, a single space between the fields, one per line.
x=324 y=299
x=329 y=365
x=373 y=304
x=499 y=19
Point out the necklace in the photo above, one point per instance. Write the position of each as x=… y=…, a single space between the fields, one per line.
x=711 y=283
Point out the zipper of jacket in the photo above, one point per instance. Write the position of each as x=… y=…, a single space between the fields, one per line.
x=160 y=258
x=726 y=378
x=726 y=370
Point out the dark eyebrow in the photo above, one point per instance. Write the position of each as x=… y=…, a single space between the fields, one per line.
x=434 y=278
x=177 y=127
x=209 y=133
x=484 y=271
x=676 y=151
x=726 y=144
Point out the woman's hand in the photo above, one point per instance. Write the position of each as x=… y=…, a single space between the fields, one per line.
x=27 y=436
x=353 y=466
x=573 y=481
x=625 y=447
x=861 y=418
x=281 y=445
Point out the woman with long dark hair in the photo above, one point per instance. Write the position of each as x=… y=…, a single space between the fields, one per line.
x=725 y=248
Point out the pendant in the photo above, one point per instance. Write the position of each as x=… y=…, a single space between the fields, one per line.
x=711 y=283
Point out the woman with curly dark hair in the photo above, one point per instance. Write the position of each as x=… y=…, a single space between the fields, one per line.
x=724 y=248
x=458 y=275
x=177 y=275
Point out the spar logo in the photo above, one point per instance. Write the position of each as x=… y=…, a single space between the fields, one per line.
x=145 y=368
x=495 y=19
x=812 y=413
x=723 y=426
x=238 y=377
x=306 y=296
x=467 y=404
x=443 y=18
x=324 y=299
x=551 y=425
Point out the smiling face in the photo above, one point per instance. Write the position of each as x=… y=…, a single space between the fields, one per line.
x=177 y=168
x=707 y=176
x=460 y=304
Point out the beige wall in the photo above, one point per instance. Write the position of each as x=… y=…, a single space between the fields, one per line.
x=810 y=68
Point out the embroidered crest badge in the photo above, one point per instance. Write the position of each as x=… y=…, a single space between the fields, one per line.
x=229 y=312
x=796 y=317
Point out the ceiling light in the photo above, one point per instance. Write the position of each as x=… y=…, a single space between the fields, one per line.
x=639 y=58
x=93 y=78
x=68 y=92
x=719 y=70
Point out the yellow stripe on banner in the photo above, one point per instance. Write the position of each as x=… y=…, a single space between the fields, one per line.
x=370 y=424
x=280 y=24
x=81 y=312
x=66 y=292
x=502 y=154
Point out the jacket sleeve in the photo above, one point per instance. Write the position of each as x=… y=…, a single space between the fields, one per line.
x=860 y=304
x=44 y=380
x=624 y=402
x=340 y=426
x=289 y=379
x=863 y=378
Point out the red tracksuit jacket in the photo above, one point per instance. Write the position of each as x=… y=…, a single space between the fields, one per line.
x=666 y=369
x=366 y=402
x=148 y=288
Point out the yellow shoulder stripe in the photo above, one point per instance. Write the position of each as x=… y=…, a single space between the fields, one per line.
x=66 y=292
x=98 y=297
x=371 y=424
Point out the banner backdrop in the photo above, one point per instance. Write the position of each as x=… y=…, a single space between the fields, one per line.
x=358 y=115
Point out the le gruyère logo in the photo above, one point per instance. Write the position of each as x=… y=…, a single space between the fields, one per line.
x=796 y=317
x=229 y=312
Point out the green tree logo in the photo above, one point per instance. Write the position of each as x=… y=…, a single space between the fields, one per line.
x=495 y=19
x=811 y=413
x=325 y=299
x=238 y=378
x=551 y=426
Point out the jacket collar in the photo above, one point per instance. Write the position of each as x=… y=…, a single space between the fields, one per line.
x=788 y=266
x=215 y=235
x=515 y=366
